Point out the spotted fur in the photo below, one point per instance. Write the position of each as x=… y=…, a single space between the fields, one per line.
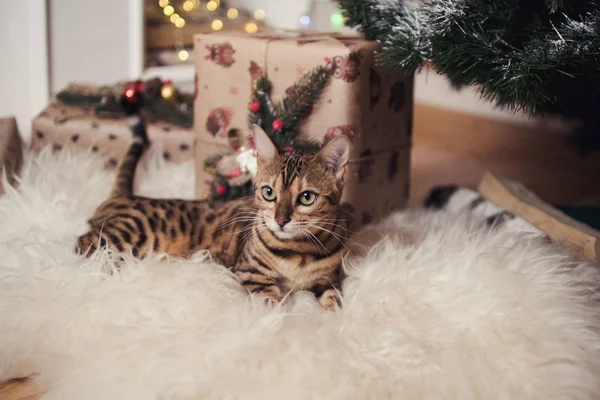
x=274 y=247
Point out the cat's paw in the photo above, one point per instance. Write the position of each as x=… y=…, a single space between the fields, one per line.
x=270 y=295
x=271 y=301
x=330 y=300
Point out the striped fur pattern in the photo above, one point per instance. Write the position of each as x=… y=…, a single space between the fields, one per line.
x=289 y=236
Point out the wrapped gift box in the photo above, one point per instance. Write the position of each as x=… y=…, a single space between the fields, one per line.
x=369 y=103
x=11 y=150
x=62 y=126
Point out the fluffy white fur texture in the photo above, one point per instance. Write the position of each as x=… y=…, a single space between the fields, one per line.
x=439 y=308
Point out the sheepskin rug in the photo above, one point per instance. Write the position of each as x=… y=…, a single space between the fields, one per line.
x=436 y=305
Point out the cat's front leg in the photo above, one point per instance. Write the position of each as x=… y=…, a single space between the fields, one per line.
x=260 y=284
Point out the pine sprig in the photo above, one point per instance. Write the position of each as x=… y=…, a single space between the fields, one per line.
x=80 y=95
x=291 y=111
x=301 y=97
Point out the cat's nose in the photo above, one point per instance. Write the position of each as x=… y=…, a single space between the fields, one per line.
x=281 y=221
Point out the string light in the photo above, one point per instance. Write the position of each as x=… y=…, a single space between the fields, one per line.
x=163 y=3
x=232 y=13
x=259 y=14
x=174 y=17
x=180 y=23
x=305 y=20
x=188 y=5
x=217 y=25
x=212 y=5
x=168 y=10
x=167 y=91
x=251 y=27
x=183 y=55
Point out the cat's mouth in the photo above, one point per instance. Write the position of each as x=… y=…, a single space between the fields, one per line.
x=282 y=232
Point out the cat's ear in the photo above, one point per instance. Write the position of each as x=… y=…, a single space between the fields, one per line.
x=335 y=155
x=265 y=149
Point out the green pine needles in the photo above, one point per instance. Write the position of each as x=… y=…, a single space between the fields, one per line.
x=291 y=111
x=104 y=101
x=538 y=56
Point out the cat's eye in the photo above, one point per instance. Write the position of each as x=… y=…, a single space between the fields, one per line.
x=268 y=193
x=307 y=198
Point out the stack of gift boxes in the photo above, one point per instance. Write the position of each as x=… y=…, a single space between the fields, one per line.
x=369 y=103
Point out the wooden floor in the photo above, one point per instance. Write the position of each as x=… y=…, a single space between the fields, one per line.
x=456 y=148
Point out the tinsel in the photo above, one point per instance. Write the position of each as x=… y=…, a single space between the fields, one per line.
x=537 y=56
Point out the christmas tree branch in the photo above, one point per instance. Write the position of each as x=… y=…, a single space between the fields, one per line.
x=301 y=97
x=539 y=56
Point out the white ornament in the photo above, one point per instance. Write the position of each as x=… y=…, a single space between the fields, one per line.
x=246 y=158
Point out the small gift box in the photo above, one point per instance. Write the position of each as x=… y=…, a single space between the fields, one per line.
x=81 y=123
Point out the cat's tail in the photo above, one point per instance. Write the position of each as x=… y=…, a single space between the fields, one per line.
x=123 y=185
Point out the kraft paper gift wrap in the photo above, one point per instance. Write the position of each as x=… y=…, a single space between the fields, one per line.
x=62 y=126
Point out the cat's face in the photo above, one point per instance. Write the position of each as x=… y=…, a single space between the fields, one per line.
x=298 y=194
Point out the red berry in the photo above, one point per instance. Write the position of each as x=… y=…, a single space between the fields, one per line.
x=289 y=148
x=255 y=106
x=277 y=124
x=221 y=189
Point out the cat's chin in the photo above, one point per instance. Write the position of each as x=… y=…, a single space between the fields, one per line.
x=279 y=234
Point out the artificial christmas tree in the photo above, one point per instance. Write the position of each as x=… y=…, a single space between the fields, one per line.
x=539 y=56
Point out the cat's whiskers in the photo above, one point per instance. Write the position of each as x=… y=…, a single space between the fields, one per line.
x=258 y=223
x=259 y=229
x=245 y=216
x=311 y=236
x=340 y=238
x=239 y=218
x=324 y=222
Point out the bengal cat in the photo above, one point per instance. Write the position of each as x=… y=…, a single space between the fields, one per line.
x=289 y=236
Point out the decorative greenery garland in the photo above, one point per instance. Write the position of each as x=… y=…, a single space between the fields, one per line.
x=160 y=100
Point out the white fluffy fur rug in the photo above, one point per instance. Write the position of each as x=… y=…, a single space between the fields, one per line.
x=439 y=308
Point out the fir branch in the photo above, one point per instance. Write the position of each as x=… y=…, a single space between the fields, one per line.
x=301 y=97
x=80 y=95
x=538 y=56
